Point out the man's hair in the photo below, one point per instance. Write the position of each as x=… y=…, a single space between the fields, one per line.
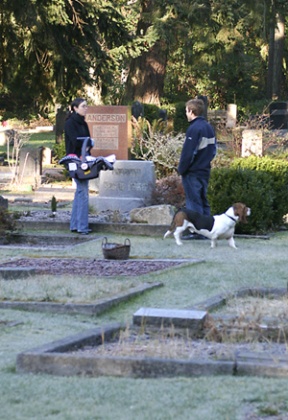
x=197 y=106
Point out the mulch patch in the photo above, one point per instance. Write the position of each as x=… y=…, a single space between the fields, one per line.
x=89 y=267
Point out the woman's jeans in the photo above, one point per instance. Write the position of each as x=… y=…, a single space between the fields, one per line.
x=196 y=194
x=80 y=209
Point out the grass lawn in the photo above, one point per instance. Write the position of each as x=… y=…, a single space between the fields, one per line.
x=41 y=139
x=256 y=262
x=44 y=139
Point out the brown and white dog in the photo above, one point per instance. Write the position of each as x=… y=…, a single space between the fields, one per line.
x=220 y=226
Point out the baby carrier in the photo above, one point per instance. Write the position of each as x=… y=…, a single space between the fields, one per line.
x=87 y=167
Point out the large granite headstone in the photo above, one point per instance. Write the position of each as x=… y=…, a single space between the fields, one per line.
x=109 y=127
x=129 y=185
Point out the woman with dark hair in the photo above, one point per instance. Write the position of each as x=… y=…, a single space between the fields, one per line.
x=76 y=126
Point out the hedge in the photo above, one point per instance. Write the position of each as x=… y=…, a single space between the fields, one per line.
x=261 y=183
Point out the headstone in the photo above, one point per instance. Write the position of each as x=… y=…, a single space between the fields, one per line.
x=109 y=127
x=163 y=115
x=6 y=136
x=60 y=123
x=2 y=137
x=279 y=115
x=192 y=319
x=128 y=186
x=46 y=156
x=3 y=202
x=137 y=110
x=231 y=116
x=252 y=143
x=30 y=166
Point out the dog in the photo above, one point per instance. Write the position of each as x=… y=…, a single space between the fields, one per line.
x=216 y=227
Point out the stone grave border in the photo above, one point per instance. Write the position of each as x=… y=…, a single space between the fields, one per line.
x=96 y=308
x=54 y=358
x=40 y=240
x=141 y=229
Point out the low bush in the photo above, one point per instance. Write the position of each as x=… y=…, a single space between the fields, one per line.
x=260 y=183
x=8 y=223
x=254 y=188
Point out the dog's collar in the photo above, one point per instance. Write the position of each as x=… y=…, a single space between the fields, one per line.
x=230 y=217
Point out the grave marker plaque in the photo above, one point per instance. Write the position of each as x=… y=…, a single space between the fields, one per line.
x=109 y=127
x=252 y=143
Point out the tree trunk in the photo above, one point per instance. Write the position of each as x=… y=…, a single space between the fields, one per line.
x=145 y=81
x=275 y=59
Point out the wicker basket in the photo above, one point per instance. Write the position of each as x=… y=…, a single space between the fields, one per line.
x=113 y=251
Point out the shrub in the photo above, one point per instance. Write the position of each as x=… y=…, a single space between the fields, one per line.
x=154 y=142
x=8 y=224
x=262 y=186
x=169 y=190
x=59 y=151
x=151 y=112
x=277 y=170
x=254 y=188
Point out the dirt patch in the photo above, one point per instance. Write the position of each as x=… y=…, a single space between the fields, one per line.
x=170 y=345
x=89 y=267
x=258 y=307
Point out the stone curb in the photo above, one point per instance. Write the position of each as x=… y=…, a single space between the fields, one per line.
x=217 y=301
x=14 y=273
x=141 y=229
x=125 y=228
x=54 y=358
x=84 y=309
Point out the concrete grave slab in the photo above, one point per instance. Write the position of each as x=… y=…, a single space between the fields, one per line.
x=192 y=319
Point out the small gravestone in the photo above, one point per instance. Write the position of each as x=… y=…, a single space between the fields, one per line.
x=231 y=116
x=192 y=319
x=30 y=166
x=163 y=116
x=3 y=203
x=278 y=115
x=46 y=156
x=252 y=143
x=128 y=186
x=137 y=110
x=60 y=123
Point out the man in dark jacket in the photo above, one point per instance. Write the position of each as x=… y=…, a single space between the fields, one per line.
x=199 y=149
